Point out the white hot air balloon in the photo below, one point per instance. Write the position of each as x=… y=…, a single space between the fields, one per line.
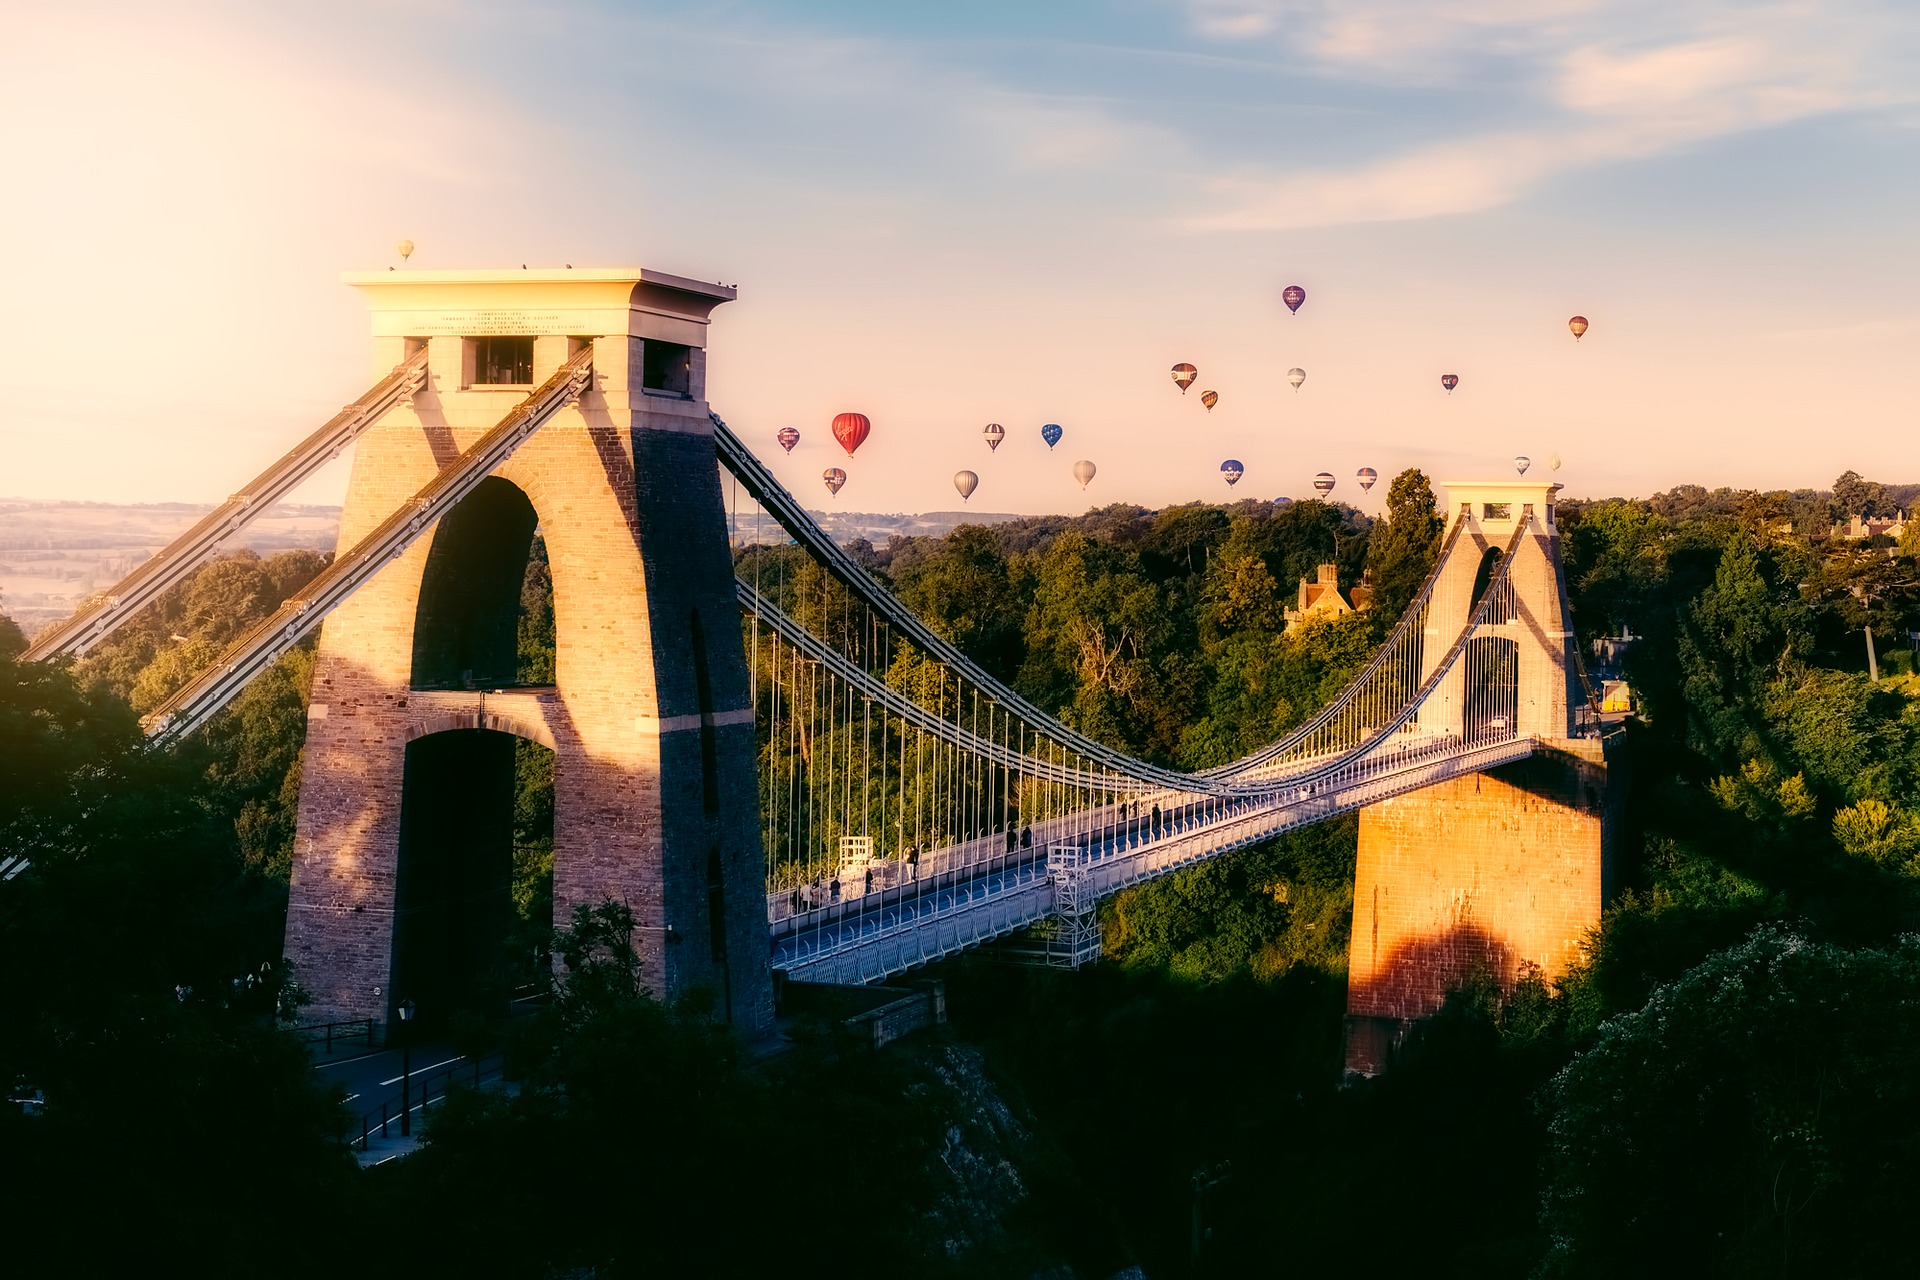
x=1084 y=471
x=966 y=482
x=1553 y=462
x=1521 y=463
x=1296 y=377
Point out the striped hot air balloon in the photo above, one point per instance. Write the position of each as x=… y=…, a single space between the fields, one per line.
x=851 y=430
x=993 y=435
x=1366 y=476
x=1184 y=374
x=1579 y=326
x=788 y=437
x=1324 y=483
x=834 y=477
x=1209 y=399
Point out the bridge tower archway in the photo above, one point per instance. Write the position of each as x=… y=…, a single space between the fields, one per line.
x=623 y=486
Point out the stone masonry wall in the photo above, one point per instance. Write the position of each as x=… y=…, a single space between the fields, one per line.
x=1491 y=873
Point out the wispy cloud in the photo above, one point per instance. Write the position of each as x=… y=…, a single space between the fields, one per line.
x=1575 y=91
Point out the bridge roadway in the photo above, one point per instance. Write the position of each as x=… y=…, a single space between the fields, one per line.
x=964 y=900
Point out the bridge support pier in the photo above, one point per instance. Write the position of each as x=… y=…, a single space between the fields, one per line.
x=1488 y=875
x=403 y=841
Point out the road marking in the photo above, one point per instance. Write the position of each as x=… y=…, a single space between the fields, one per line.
x=461 y=1057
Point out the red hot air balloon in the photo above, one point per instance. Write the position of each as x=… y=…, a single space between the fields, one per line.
x=1449 y=381
x=851 y=430
x=1184 y=374
x=1209 y=399
x=834 y=477
x=1579 y=326
x=993 y=435
x=788 y=438
x=1293 y=295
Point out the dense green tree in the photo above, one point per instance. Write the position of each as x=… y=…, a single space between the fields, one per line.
x=1402 y=551
x=1757 y=1117
x=142 y=962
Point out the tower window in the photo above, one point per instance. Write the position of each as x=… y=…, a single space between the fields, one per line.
x=502 y=362
x=667 y=368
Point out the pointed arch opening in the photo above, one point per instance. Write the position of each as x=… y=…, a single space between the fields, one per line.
x=485 y=614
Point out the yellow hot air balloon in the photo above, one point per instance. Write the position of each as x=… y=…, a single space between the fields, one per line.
x=1579 y=326
x=406 y=249
x=1209 y=399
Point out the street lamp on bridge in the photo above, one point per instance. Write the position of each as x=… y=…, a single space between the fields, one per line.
x=406 y=1068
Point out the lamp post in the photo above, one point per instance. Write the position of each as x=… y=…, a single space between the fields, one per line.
x=406 y=1068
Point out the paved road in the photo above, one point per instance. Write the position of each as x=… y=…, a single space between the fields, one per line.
x=373 y=1078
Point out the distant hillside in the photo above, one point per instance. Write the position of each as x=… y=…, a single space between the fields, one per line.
x=53 y=555
x=845 y=526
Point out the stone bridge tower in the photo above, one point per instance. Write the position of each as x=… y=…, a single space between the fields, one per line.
x=406 y=816
x=1496 y=873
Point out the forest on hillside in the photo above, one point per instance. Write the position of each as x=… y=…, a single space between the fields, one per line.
x=1723 y=1087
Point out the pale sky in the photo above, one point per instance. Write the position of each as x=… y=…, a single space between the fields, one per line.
x=945 y=215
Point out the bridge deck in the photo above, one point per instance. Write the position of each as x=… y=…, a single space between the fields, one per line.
x=872 y=936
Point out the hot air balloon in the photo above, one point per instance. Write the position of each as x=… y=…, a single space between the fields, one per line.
x=1184 y=374
x=1324 y=483
x=993 y=435
x=1051 y=433
x=834 y=477
x=1553 y=462
x=966 y=482
x=1293 y=295
x=1296 y=377
x=406 y=249
x=1209 y=399
x=1366 y=476
x=851 y=429
x=788 y=438
x=1579 y=326
x=1231 y=471
x=1521 y=463
x=1083 y=471
x=1449 y=381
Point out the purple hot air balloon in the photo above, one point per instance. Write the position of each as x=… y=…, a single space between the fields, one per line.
x=1231 y=471
x=1293 y=295
x=788 y=437
x=1449 y=381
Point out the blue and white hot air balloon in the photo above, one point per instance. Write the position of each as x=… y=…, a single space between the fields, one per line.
x=1231 y=471
x=1051 y=433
